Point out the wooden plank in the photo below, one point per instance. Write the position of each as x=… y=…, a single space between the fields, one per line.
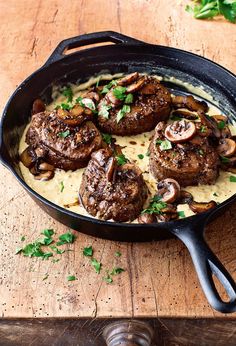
x=159 y=278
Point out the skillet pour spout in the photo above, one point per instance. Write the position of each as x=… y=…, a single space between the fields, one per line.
x=125 y=55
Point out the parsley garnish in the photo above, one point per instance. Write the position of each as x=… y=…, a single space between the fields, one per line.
x=22 y=238
x=204 y=9
x=58 y=252
x=66 y=106
x=232 y=179
x=140 y=156
x=129 y=98
x=34 y=250
x=108 y=86
x=104 y=111
x=46 y=277
x=175 y=117
x=117 y=254
x=66 y=238
x=67 y=92
x=155 y=206
x=120 y=92
x=62 y=186
x=224 y=159
x=148 y=153
x=125 y=109
x=88 y=251
x=164 y=145
x=221 y=125
x=215 y=194
x=64 y=134
x=97 y=265
x=71 y=278
x=203 y=128
x=48 y=232
x=181 y=214
x=116 y=271
x=108 y=278
x=121 y=159
x=107 y=138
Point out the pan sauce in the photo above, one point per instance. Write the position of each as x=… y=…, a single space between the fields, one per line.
x=133 y=146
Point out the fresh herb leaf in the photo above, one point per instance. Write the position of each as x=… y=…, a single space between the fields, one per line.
x=46 y=255
x=46 y=277
x=221 y=125
x=88 y=251
x=232 y=179
x=97 y=265
x=58 y=251
x=66 y=106
x=148 y=153
x=224 y=159
x=98 y=81
x=175 y=117
x=71 y=278
x=108 y=279
x=22 y=238
x=107 y=138
x=125 y=109
x=66 y=238
x=155 y=206
x=62 y=186
x=164 y=145
x=88 y=103
x=140 y=156
x=67 y=92
x=116 y=271
x=48 y=232
x=64 y=134
x=18 y=250
x=119 y=92
x=108 y=86
x=203 y=128
x=117 y=254
x=215 y=194
x=121 y=159
x=45 y=241
x=181 y=214
x=129 y=98
x=228 y=9
x=104 y=111
x=55 y=260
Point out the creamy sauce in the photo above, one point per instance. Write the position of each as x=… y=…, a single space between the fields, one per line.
x=133 y=146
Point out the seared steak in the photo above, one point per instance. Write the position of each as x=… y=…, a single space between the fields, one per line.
x=110 y=191
x=191 y=162
x=151 y=103
x=63 y=146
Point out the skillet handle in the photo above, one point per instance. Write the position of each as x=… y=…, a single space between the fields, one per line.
x=207 y=265
x=88 y=39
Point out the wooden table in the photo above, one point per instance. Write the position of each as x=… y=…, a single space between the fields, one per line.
x=159 y=280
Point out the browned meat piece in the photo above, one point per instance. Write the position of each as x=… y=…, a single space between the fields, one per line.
x=63 y=146
x=190 y=163
x=151 y=104
x=112 y=191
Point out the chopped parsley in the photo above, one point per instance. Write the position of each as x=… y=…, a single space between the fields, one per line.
x=96 y=265
x=148 y=153
x=224 y=159
x=215 y=194
x=64 y=134
x=203 y=128
x=221 y=125
x=58 y=251
x=66 y=238
x=155 y=206
x=88 y=251
x=98 y=81
x=71 y=278
x=117 y=254
x=181 y=214
x=164 y=145
x=116 y=271
x=121 y=159
x=232 y=179
x=121 y=114
x=22 y=238
x=140 y=156
x=108 y=278
x=120 y=92
x=66 y=106
x=129 y=98
x=107 y=138
x=67 y=92
x=48 y=232
x=46 y=277
x=200 y=152
x=104 y=111
x=175 y=117
x=62 y=186
x=108 y=86
x=34 y=250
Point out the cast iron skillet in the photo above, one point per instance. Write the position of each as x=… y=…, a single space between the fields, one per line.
x=127 y=55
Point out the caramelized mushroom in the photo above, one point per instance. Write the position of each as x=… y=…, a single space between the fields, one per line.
x=185 y=197
x=190 y=103
x=220 y=117
x=28 y=157
x=147 y=218
x=180 y=131
x=111 y=169
x=44 y=166
x=44 y=176
x=185 y=114
x=168 y=189
x=200 y=207
x=227 y=147
x=92 y=95
x=38 y=107
x=75 y=116
x=136 y=86
x=209 y=122
x=126 y=80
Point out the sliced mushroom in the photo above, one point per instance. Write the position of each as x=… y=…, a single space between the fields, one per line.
x=38 y=106
x=200 y=207
x=44 y=176
x=147 y=218
x=111 y=169
x=44 y=166
x=225 y=132
x=180 y=131
x=88 y=103
x=220 y=117
x=136 y=86
x=231 y=169
x=75 y=116
x=128 y=79
x=185 y=197
x=92 y=95
x=168 y=189
x=209 y=122
x=190 y=103
x=28 y=157
x=110 y=98
x=227 y=147
x=185 y=114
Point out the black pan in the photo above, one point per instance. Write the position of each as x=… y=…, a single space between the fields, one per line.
x=126 y=55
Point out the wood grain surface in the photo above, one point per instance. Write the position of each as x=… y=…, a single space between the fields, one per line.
x=159 y=279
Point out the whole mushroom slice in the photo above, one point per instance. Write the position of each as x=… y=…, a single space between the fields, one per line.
x=92 y=95
x=190 y=103
x=136 y=86
x=147 y=218
x=209 y=122
x=180 y=131
x=38 y=107
x=75 y=116
x=226 y=147
x=184 y=114
x=200 y=207
x=111 y=169
x=169 y=190
x=185 y=197
x=28 y=157
x=130 y=78
x=44 y=176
